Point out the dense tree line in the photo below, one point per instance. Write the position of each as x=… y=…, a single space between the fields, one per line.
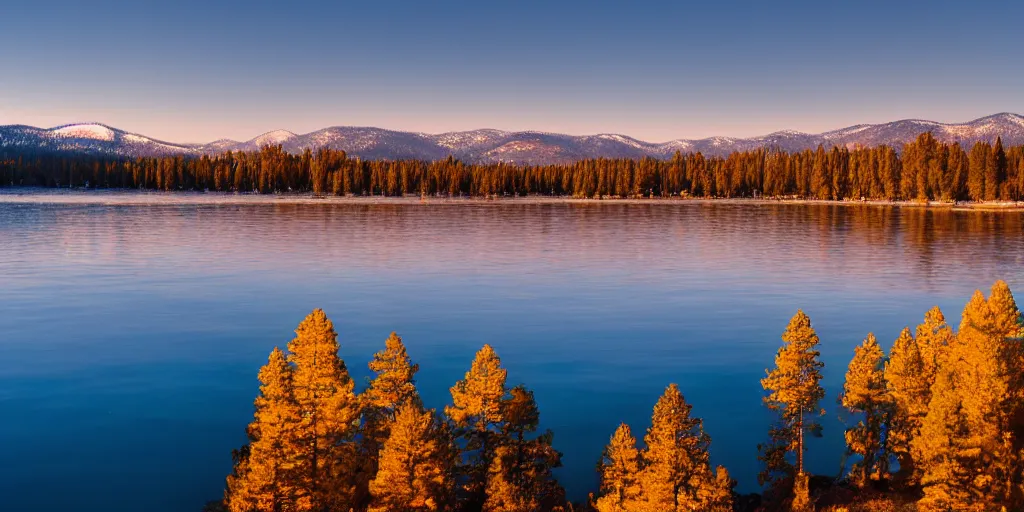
x=925 y=169
x=937 y=425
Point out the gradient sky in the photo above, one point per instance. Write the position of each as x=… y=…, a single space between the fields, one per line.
x=193 y=71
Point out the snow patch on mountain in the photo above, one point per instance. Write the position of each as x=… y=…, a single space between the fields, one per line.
x=274 y=137
x=84 y=131
x=458 y=140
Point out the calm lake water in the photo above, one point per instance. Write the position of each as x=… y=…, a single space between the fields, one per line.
x=130 y=336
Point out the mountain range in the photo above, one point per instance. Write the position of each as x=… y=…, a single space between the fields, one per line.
x=486 y=145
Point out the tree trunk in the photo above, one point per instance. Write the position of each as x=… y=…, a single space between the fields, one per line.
x=800 y=442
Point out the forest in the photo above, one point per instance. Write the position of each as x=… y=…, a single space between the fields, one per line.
x=937 y=424
x=923 y=170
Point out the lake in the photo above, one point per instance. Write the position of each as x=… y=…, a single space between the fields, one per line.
x=130 y=335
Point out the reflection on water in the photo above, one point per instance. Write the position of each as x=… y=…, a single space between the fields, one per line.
x=130 y=336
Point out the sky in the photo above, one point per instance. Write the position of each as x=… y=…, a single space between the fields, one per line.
x=196 y=71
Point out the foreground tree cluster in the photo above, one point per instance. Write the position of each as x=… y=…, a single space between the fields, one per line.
x=314 y=444
x=935 y=425
x=938 y=423
x=922 y=170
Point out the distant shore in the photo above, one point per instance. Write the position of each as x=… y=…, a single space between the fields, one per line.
x=142 y=197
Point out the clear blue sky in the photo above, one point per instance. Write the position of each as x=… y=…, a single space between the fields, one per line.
x=195 y=71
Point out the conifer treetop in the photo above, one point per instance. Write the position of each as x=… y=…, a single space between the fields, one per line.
x=479 y=395
x=1007 y=317
x=865 y=380
x=395 y=375
x=794 y=382
x=619 y=469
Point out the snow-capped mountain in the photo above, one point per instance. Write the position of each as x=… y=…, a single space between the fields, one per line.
x=89 y=138
x=501 y=146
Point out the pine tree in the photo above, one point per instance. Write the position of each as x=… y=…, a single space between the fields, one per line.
x=996 y=172
x=977 y=170
x=265 y=479
x=717 y=496
x=394 y=383
x=965 y=444
x=1007 y=325
x=328 y=408
x=619 y=468
x=392 y=387
x=909 y=386
x=477 y=411
x=864 y=392
x=520 y=477
x=794 y=385
x=676 y=472
x=1007 y=331
x=911 y=372
x=416 y=464
x=933 y=338
x=984 y=381
x=939 y=450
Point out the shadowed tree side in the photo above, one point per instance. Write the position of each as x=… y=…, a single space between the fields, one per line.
x=520 y=477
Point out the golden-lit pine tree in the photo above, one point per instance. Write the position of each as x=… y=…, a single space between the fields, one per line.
x=933 y=338
x=864 y=393
x=984 y=381
x=476 y=411
x=416 y=469
x=393 y=385
x=1008 y=326
x=329 y=409
x=520 y=480
x=520 y=477
x=1006 y=322
x=909 y=385
x=794 y=385
x=965 y=447
x=717 y=496
x=265 y=480
x=675 y=472
x=619 y=468
x=910 y=373
x=1008 y=329
x=940 y=448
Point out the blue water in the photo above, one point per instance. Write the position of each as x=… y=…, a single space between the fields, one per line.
x=130 y=336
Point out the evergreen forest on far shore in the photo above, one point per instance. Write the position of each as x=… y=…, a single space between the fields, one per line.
x=937 y=424
x=923 y=170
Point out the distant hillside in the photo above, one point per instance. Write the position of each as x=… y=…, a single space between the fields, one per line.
x=488 y=146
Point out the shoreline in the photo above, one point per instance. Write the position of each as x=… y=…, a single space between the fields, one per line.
x=115 y=197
